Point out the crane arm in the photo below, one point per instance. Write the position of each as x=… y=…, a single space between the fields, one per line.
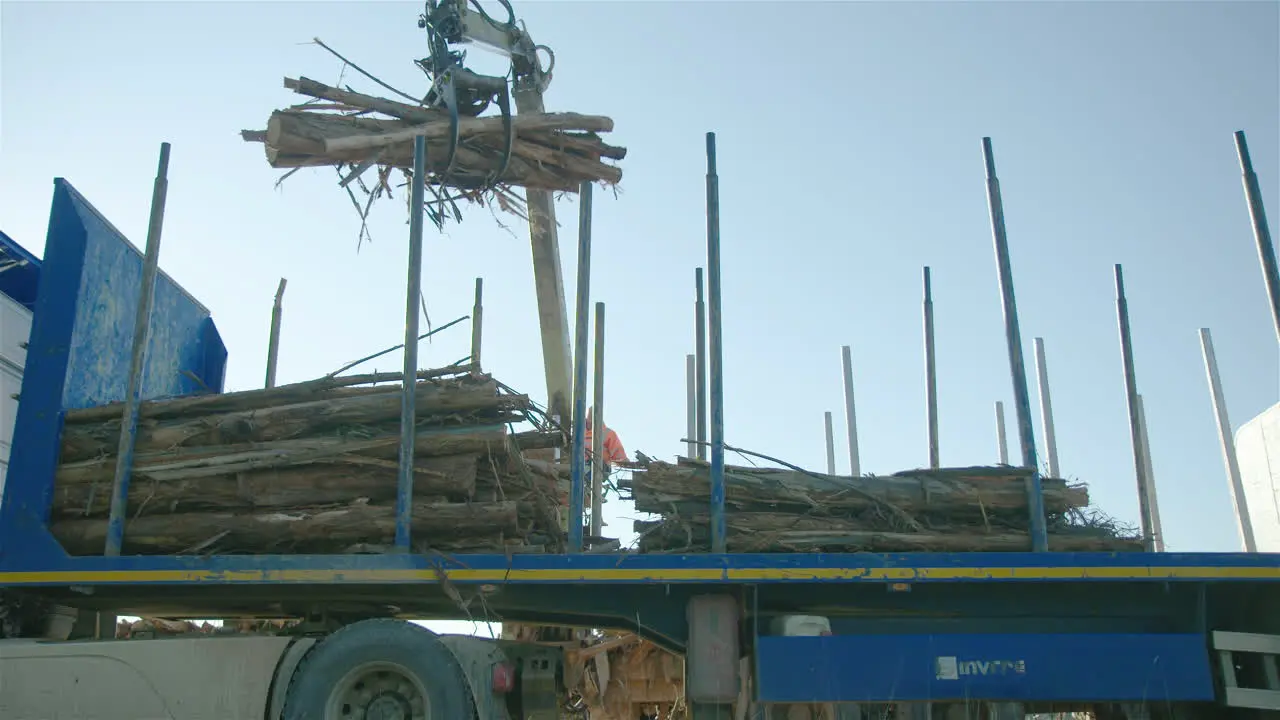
x=461 y=91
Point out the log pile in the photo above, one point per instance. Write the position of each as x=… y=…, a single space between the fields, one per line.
x=621 y=676
x=312 y=468
x=340 y=128
x=975 y=509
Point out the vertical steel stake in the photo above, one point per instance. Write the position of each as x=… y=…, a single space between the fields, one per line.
x=409 y=383
x=1157 y=539
x=273 y=342
x=1131 y=393
x=1046 y=410
x=137 y=360
x=1017 y=369
x=477 y=323
x=831 y=445
x=1001 y=439
x=597 y=430
x=1261 y=231
x=930 y=373
x=850 y=416
x=579 y=460
x=1243 y=521
x=700 y=353
x=691 y=406
x=718 y=528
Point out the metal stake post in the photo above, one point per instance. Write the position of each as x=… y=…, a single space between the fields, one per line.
x=597 y=430
x=477 y=323
x=578 y=462
x=850 y=416
x=409 y=383
x=273 y=343
x=718 y=529
x=1157 y=540
x=1046 y=410
x=1001 y=439
x=1261 y=231
x=691 y=406
x=930 y=373
x=1235 y=482
x=700 y=354
x=137 y=359
x=1131 y=392
x=1017 y=369
x=831 y=445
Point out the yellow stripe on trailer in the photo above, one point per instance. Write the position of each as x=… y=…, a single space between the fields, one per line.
x=606 y=575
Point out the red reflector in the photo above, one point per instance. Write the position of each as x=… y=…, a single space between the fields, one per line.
x=504 y=678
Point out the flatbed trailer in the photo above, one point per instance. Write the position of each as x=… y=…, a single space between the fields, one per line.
x=1134 y=635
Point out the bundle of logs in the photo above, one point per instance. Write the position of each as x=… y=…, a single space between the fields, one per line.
x=551 y=151
x=312 y=468
x=973 y=509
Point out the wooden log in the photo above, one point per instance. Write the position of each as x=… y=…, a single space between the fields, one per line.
x=197 y=462
x=472 y=170
x=467 y=126
x=697 y=538
x=531 y=164
x=352 y=136
x=341 y=481
x=281 y=422
x=662 y=485
x=587 y=144
x=316 y=529
x=574 y=164
x=412 y=113
x=269 y=397
x=591 y=145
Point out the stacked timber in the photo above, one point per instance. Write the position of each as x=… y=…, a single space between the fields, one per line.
x=312 y=468
x=973 y=509
x=338 y=127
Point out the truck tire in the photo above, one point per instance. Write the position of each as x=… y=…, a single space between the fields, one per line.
x=379 y=670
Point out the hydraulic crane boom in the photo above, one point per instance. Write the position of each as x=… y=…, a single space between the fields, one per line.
x=462 y=91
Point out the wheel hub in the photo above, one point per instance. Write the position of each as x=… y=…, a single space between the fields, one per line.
x=378 y=691
x=388 y=707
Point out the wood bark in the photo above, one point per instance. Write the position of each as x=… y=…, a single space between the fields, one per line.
x=941 y=540
x=313 y=529
x=587 y=144
x=340 y=481
x=412 y=113
x=198 y=462
x=662 y=485
x=439 y=129
x=544 y=155
x=282 y=422
x=311 y=467
x=326 y=387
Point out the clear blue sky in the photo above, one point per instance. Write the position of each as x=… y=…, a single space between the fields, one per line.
x=849 y=138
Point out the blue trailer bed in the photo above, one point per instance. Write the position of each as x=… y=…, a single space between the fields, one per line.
x=996 y=621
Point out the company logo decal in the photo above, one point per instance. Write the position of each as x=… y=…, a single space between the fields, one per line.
x=953 y=668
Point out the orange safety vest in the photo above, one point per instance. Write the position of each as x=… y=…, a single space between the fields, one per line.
x=613 y=451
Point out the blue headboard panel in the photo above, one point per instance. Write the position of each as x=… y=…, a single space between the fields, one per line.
x=81 y=334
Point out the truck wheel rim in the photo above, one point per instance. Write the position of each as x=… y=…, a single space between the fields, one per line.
x=378 y=691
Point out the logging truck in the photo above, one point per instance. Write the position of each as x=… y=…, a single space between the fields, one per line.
x=847 y=635
x=832 y=635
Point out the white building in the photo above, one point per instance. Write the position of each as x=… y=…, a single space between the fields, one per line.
x=1258 y=451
